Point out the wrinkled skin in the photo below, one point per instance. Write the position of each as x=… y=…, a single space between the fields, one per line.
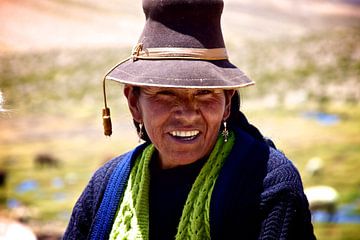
x=183 y=124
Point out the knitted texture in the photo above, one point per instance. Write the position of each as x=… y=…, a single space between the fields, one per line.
x=284 y=212
x=195 y=223
x=85 y=208
x=132 y=220
x=283 y=186
x=114 y=190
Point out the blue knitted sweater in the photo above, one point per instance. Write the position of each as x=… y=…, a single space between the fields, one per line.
x=258 y=195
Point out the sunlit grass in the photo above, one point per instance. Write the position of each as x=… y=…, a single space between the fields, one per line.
x=327 y=231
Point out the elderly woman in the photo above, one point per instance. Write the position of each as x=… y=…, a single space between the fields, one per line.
x=203 y=172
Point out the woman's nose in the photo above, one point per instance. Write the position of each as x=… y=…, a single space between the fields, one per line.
x=188 y=110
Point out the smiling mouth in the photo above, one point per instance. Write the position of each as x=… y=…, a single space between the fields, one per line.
x=185 y=135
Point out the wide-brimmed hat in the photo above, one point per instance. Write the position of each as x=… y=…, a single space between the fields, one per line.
x=181 y=46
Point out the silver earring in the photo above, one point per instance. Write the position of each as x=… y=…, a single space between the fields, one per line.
x=225 y=132
x=140 y=133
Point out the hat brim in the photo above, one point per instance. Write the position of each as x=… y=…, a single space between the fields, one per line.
x=180 y=73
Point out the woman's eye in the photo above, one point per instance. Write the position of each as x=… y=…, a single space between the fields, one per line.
x=203 y=92
x=166 y=93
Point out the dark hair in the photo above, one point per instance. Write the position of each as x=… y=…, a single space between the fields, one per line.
x=236 y=119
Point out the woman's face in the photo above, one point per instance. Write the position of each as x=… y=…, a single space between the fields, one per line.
x=183 y=124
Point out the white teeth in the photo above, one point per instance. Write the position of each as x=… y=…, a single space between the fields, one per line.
x=184 y=133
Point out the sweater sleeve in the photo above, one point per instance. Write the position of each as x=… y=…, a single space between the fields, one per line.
x=86 y=206
x=284 y=207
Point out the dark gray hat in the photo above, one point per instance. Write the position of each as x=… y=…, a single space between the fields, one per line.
x=181 y=46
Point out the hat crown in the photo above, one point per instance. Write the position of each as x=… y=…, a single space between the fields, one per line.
x=182 y=23
x=181 y=46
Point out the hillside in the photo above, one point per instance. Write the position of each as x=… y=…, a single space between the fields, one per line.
x=40 y=25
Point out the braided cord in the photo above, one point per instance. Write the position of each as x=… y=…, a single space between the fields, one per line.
x=195 y=221
x=132 y=219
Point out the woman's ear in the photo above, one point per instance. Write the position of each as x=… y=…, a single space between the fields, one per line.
x=132 y=95
x=228 y=96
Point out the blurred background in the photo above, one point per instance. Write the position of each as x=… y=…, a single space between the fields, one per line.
x=303 y=54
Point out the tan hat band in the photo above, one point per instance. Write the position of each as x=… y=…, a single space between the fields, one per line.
x=179 y=53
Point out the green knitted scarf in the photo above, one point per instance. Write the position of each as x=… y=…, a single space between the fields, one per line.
x=132 y=219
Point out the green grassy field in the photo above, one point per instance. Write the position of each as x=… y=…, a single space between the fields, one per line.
x=54 y=103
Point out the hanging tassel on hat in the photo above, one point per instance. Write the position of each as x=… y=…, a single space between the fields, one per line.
x=107 y=121
x=106 y=111
x=106 y=115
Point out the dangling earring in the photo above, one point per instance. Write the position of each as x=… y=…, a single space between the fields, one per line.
x=140 y=133
x=225 y=132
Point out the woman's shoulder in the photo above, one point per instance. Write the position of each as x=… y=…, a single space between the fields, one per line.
x=101 y=177
x=105 y=171
x=278 y=160
x=89 y=201
x=281 y=174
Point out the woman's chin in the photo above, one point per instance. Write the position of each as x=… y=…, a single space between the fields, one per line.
x=181 y=155
x=177 y=151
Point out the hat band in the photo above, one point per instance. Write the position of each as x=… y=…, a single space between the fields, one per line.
x=161 y=53
x=179 y=53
